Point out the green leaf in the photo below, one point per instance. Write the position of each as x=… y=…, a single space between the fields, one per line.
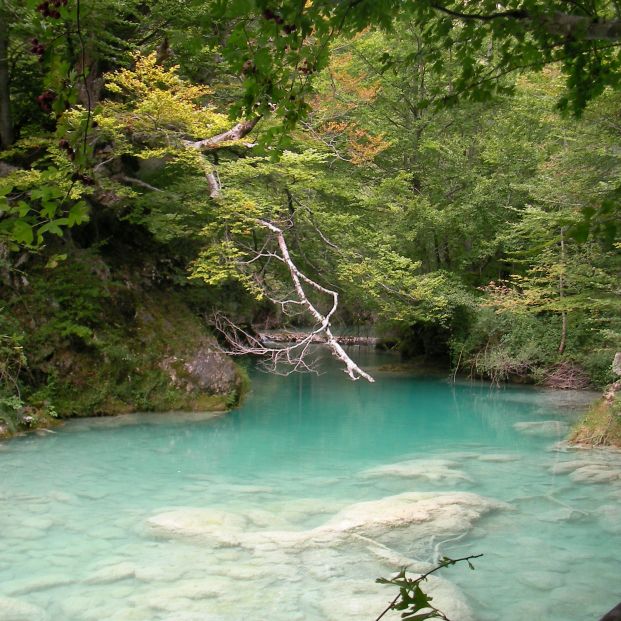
x=52 y=227
x=55 y=260
x=22 y=232
x=77 y=214
x=23 y=208
x=49 y=209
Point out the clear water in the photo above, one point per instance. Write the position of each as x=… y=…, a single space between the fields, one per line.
x=77 y=507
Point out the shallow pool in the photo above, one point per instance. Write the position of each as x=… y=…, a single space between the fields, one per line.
x=291 y=506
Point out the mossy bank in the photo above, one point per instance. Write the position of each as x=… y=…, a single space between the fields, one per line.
x=82 y=336
x=601 y=425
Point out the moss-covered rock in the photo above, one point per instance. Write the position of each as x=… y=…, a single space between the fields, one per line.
x=100 y=340
x=602 y=424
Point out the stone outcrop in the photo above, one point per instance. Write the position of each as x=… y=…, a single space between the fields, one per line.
x=205 y=369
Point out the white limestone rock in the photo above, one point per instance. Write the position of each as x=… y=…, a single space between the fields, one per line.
x=38 y=522
x=540 y=580
x=112 y=573
x=595 y=473
x=431 y=512
x=435 y=470
x=299 y=510
x=192 y=522
x=357 y=599
x=562 y=514
x=427 y=513
x=12 y=609
x=609 y=517
x=31 y=585
x=498 y=457
x=209 y=587
x=565 y=467
x=166 y=572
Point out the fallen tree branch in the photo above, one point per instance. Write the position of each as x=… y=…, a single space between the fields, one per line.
x=296 y=355
x=351 y=368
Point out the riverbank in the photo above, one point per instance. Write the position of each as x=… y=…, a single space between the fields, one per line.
x=93 y=337
x=602 y=424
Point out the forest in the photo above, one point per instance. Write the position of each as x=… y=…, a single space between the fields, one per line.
x=448 y=182
x=193 y=191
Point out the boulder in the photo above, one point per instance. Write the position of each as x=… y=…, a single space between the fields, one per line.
x=205 y=369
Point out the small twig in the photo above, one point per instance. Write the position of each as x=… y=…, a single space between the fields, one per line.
x=423 y=577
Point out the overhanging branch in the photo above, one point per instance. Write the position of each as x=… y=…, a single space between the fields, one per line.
x=579 y=27
x=296 y=356
x=237 y=132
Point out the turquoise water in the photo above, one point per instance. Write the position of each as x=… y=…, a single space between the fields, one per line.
x=291 y=506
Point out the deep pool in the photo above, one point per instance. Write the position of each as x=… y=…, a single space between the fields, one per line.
x=289 y=507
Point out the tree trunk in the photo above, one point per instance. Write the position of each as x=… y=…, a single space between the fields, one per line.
x=6 y=121
x=561 y=291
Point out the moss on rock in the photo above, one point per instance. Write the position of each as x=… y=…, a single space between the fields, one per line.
x=602 y=424
x=104 y=341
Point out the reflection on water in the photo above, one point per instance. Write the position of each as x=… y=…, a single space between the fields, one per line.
x=290 y=507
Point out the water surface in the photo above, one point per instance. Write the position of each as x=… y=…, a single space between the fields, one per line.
x=82 y=537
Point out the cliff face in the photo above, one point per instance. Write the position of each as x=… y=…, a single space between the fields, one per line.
x=94 y=339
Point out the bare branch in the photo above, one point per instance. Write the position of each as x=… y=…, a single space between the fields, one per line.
x=585 y=27
x=296 y=354
x=235 y=133
x=138 y=182
x=214 y=184
x=284 y=360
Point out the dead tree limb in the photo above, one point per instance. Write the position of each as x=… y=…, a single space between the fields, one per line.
x=351 y=368
x=296 y=356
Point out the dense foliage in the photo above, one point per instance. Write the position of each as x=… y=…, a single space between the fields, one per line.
x=411 y=166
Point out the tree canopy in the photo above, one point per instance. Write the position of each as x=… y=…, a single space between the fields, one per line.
x=407 y=160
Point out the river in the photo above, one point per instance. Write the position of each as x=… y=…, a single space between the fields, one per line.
x=290 y=507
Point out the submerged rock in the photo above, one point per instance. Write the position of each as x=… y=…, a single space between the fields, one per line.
x=436 y=470
x=357 y=599
x=112 y=573
x=498 y=458
x=610 y=518
x=426 y=514
x=31 y=585
x=541 y=580
x=452 y=512
x=543 y=428
x=193 y=522
x=594 y=473
x=17 y=610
